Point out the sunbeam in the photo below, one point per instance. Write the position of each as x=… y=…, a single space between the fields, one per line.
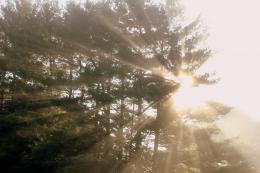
x=188 y=96
x=129 y=86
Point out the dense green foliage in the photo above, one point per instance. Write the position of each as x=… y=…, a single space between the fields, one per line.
x=82 y=89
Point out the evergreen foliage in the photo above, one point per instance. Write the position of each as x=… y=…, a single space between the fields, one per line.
x=79 y=85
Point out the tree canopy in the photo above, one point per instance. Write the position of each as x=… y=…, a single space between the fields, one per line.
x=83 y=89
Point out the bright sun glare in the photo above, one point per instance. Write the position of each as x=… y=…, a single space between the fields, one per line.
x=186 y=81
x=187 y=96
x=234 y=35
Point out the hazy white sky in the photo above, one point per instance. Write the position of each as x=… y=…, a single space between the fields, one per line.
x=234 y=27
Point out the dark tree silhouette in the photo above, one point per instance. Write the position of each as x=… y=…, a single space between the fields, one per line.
x=83 y=89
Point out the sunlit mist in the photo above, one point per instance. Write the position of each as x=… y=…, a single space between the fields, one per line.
x=187 y=96
x=186 y=81
x=129 y=86
x=234 y=36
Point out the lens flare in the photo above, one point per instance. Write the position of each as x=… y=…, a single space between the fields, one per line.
x=187 y=96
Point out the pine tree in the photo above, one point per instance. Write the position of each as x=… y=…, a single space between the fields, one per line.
x=78 y=86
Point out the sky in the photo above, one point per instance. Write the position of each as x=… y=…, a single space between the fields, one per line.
x=234 y=28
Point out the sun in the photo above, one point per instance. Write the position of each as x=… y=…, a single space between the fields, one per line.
x=187 y=96
x=186 y=81
x=234 y=36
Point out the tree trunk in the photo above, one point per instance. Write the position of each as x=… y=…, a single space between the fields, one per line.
x=120 y=133
x=2 y=89
x=70 y=87
x=155 y=151
x=139 y=112
x=131 y=132
x=82 y=89
x=108 y=142
x=108 y=110
x=121 y=119
x=156 y=139
x=14 y=88
x=1 y=100
x=51 y=62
